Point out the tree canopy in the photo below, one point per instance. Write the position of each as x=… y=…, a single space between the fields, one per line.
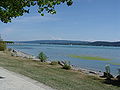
x=10 y=9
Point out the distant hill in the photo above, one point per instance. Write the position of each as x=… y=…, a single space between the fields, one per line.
x=103 y=43
x=64 y=42
x=69 y=42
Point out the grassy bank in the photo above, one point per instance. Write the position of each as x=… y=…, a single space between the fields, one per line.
x=53 y=75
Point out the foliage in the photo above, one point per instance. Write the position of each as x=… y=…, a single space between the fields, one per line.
x=2 y=46
x=6 y=42
x=42 y=57
x=13 y=8
x=108 y=75
x=54 y=63
x=66 y=65
x=107 y=68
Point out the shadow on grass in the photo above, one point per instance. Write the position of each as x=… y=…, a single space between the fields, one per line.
x=112 y=82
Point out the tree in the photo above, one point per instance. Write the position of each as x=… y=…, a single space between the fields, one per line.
x=10 y=9
x=42 y=57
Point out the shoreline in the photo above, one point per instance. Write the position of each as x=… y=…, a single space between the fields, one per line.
x=17 y=53
x=53 y=75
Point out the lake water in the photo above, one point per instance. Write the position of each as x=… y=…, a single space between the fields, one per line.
x=62 y=52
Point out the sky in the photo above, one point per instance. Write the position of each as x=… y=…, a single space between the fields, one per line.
x=85 y=20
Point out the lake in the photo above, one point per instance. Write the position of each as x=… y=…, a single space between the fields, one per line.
x=65 y=52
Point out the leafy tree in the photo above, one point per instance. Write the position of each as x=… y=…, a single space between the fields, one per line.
x=42 y=57
x=13 y=8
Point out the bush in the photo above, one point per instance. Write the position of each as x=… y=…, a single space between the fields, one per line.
x=42 y=57
x=2 y=46
x=54 y=63
x=107 y=73
x=67 y=65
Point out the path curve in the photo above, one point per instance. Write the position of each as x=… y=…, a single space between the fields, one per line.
x=12 y=81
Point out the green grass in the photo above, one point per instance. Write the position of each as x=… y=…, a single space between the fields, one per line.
x=54 y=76
x=89 y=58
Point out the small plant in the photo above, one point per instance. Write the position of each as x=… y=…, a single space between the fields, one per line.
x=42 y=57
x=66 y=65
x=107 y=68
x=54 y=63
x=107 y=73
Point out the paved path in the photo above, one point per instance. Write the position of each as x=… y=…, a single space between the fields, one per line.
x=13 y=81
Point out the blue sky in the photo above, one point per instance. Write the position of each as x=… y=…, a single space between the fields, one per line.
x=85 y=20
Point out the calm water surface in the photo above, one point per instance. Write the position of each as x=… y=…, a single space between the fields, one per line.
x=61 y=52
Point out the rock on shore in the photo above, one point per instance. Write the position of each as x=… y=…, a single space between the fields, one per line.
x=17 y=53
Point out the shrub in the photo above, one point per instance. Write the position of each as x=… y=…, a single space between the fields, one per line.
x=2 y=46
x=66 y=65
x=118 y=77
x=107 y=68
x=107 y=73
x=42 y=57
x=54 y=63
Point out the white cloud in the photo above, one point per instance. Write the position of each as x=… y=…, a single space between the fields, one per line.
x=55 y=38
x=7 y=30
x=36 y=19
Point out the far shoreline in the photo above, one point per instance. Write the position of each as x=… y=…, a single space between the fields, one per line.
x=73 y=42
x=101 y=46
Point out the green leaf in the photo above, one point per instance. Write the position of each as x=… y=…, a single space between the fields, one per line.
x=42 y=14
